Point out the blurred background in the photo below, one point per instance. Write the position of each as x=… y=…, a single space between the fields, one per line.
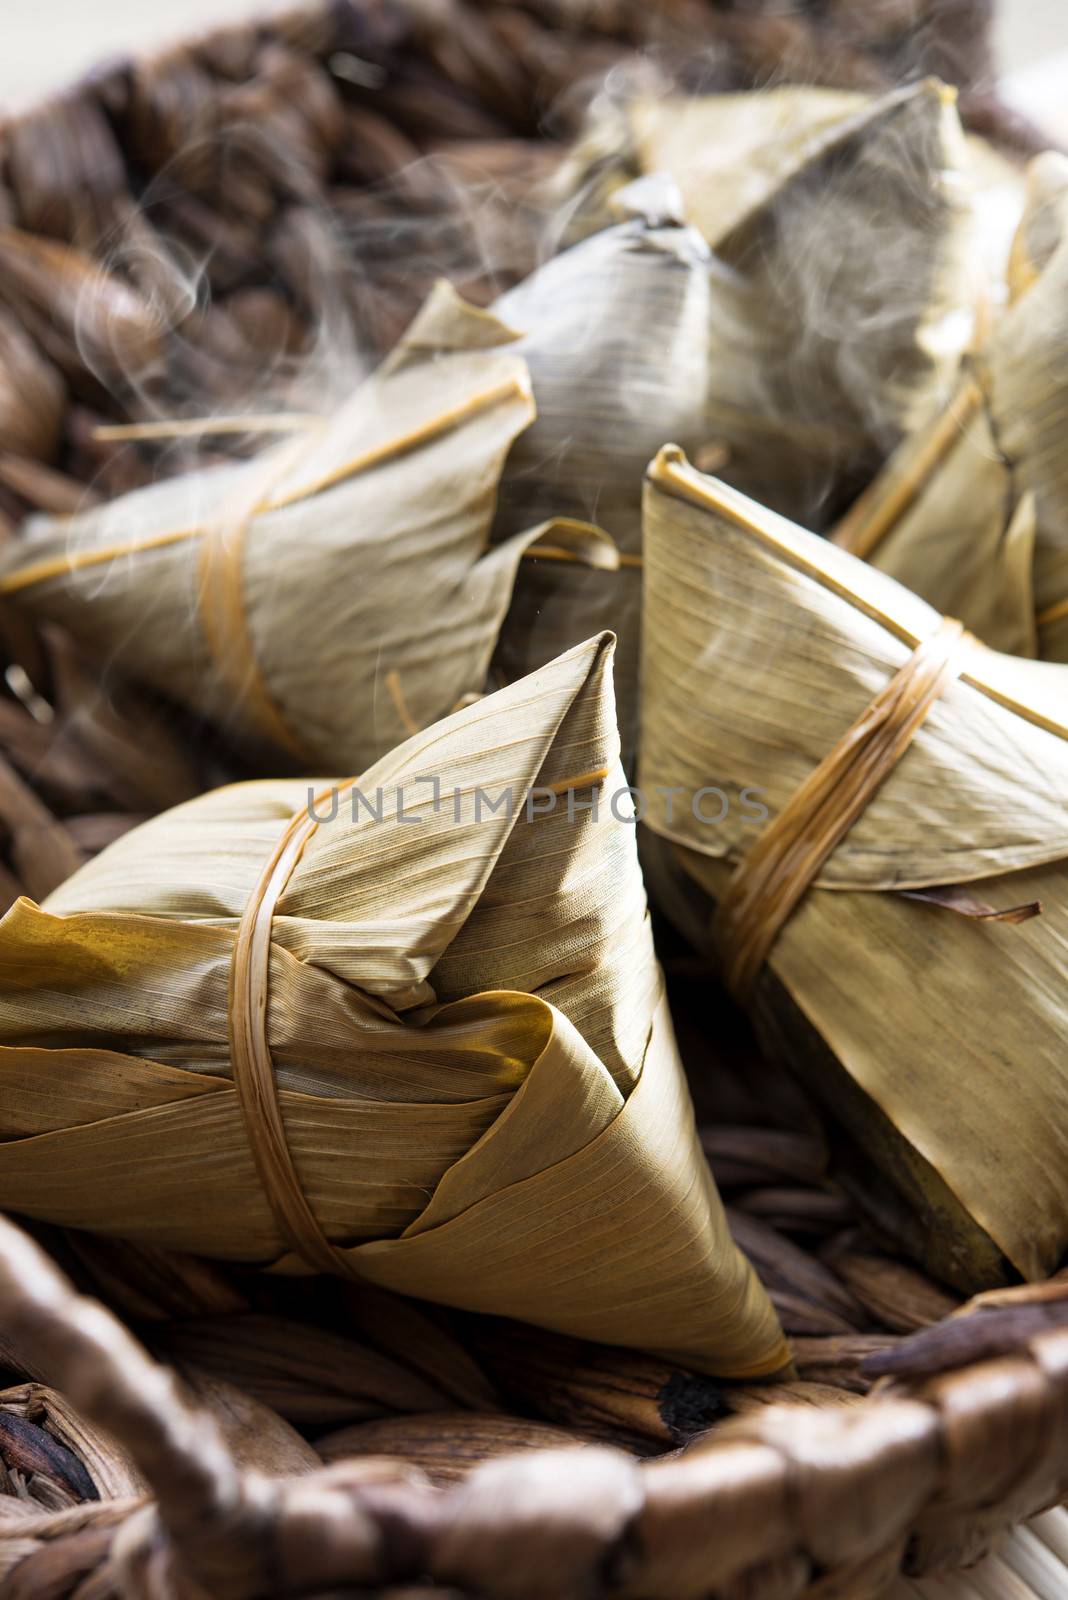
x=45 y=43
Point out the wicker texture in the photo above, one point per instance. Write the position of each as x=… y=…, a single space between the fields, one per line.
x=787 y=1503
x=168 y=230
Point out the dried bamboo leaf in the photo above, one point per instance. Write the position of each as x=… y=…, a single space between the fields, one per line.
x=615 y=333
x=466 y=1026
x=1042 y=223
x=841 y=354
x=729 y=154
x=333 y=595
x=763 y=646
x=947 y=518
x=972 y=512
x=619 y=335
x=733 y=155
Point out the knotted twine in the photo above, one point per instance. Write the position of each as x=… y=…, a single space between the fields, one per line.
x=779 y=870
x=250 y=1051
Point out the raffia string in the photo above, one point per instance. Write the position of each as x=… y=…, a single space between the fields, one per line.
x=201 y=427
x=774 y=877
x=221 y=595
x=250 y=1052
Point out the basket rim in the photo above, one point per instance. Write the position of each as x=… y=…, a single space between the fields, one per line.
x=920 y=1474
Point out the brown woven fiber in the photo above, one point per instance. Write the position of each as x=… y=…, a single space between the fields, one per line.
x=779 y=1503
x=231 y=230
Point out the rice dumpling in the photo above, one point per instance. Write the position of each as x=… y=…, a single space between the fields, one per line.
x=845 y=222
x=407 y=1028
x=886 y=840
x=338 y=592
x=972 y=511
x=618 y=333
x=350 y=586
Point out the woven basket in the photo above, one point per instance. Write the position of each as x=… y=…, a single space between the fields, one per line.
x=167 y=229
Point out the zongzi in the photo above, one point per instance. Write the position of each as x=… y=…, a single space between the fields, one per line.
x=972 y=511
x=338 y=592
x=914 y=859
x=408 y=1028
x=350 y=586
x=620 y=335
x=844 y=222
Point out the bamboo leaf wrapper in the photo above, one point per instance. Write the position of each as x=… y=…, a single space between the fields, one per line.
x=844 y=277
x=466 y=1027
x=621 y=335
x=763 y=646
x=353 y=584
x=326 y=599
x=972 y=510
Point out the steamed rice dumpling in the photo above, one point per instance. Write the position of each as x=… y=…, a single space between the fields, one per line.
x=615 y=332
x=885 y=840
x=407 y=1028
x=351 y=585
x=338 y=592
x=846 y=224
x=619 y=334
x=972 y=512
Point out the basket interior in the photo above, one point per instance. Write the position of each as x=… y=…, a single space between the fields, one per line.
x=243 y=225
